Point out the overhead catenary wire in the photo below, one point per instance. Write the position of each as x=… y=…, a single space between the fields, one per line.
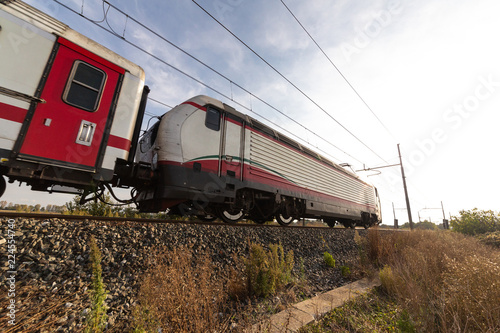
x=111 y=31
x=288 y=80
x=338 y=70
x=231 y=82
x=160 y=102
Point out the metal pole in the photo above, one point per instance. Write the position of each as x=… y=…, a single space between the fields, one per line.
x=406 y=190
x=446 y=224
x=395 y=220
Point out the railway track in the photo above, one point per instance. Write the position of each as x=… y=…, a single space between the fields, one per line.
x=148 y=220
x=299 y=224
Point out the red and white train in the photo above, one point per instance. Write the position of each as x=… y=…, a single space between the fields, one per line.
x=70 y=120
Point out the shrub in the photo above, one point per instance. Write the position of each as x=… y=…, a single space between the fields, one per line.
x=490 y=238
x=268 y=271
x=96 y=320
x=345 y=270
x=475 y=222
x=328 y=258
x=387 y=279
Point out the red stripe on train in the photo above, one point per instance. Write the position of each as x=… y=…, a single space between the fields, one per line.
x=12 y=113
x=118 y=142
x=195 y=105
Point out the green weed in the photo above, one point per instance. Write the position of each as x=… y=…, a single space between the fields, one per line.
x=97 y=318
x=328 y=258
x=268 y=271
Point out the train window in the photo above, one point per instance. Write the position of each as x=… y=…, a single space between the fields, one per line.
x=85 y=86
x=212 y=119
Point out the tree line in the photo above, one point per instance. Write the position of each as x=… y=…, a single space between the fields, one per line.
x=4 y=205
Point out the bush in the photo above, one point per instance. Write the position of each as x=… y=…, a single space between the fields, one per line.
x=490 y=238
x=328 y=258
x=345 y=270
x=268 y=271
x=475 y=222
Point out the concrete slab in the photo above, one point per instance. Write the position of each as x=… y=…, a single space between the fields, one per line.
x=290 y=320
x=301 y=314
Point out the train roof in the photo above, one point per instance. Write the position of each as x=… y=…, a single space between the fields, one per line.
x=254 y=123
x=51 y=25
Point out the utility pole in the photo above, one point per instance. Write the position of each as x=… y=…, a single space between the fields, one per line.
x=406 y=190
x=395 y=219
x=445 y=221
x=404 y=185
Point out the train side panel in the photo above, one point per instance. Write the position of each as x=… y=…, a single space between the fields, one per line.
x=69 y=107
x=25 y=52
x=124 y=122
x=327 y=191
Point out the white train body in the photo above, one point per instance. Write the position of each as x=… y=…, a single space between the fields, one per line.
x=212 y=159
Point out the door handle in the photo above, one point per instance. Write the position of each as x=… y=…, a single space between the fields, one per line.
x=86 y=133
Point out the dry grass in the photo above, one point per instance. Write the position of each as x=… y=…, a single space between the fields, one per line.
x=41 y=310
x=181 y=294
x=448 y=282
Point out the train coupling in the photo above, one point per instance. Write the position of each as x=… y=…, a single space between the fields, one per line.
x=132 y=174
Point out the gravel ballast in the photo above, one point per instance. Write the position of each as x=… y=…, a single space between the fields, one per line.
x=52 y=261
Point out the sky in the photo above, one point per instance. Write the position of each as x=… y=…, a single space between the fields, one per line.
x=428 y=70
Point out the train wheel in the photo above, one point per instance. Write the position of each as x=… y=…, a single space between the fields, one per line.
x=230 y=216
x=350 y=224
x=284 y=220
x=330 y=223
x=3 y=185
x=259 y=221
x=207 y=217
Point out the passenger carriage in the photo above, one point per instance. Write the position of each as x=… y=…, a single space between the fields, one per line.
x=69 y=107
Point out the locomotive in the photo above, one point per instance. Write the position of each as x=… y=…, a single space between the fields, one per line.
x=71 y=122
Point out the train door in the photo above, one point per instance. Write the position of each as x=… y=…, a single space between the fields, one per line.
x=69 y=129
x=232 y=157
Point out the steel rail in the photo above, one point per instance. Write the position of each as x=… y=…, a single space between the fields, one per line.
x=48 y=216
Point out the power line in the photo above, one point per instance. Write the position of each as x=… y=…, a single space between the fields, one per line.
x=338 y=70
x=159 y=102
x=288 y=80
x=213 y=70
x=111 y=31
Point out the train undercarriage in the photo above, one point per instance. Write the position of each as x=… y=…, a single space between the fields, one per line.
x=261 y=207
